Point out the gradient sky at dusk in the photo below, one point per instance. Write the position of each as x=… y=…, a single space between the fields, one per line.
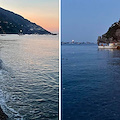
x=42 y=12
x=85 y=20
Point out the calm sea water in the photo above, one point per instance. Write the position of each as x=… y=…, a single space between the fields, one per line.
x=90 y=83
x=29 y=76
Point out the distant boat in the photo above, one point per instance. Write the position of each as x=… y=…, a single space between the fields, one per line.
x=109 y=46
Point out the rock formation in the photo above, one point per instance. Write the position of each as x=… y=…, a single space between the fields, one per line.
x=3 y=116
x=112 y=35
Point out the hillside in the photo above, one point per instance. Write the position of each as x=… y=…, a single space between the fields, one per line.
x=11 y=23
x=112 y=35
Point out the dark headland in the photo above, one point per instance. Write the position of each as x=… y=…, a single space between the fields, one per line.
x=112 y=35
x=3 y=116
x=12 y=23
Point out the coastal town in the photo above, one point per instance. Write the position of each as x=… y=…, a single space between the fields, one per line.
x=76 y=43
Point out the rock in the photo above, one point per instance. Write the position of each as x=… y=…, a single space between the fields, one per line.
x=0 y=64
x=112 y=35
x=3 y=116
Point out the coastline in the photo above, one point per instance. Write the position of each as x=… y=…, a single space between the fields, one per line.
x=3 y=116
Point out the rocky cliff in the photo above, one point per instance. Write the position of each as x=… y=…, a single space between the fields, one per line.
x=112 y=35
x=11 y=23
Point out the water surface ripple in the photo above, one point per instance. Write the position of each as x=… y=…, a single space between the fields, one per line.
x=29 y=77
x=90 y=83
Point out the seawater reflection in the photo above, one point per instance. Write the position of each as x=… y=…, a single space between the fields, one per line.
x=90 y=83
x=29 y=82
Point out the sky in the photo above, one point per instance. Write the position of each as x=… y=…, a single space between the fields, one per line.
x=85 y=20
x=42 y=12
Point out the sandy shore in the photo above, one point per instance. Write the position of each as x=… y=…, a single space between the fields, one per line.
x=3 y=116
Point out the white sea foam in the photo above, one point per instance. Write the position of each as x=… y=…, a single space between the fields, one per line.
x=30 y=76
x=12 y=114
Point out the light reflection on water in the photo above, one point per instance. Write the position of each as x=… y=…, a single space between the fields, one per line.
x=30 y=77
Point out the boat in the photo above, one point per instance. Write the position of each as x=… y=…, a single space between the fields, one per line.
x=109 y=46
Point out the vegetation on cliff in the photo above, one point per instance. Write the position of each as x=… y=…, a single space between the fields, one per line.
x=11 y=23
x=112 y=35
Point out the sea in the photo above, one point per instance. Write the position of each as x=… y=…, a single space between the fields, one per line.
x=90 y=83
x=29 y=76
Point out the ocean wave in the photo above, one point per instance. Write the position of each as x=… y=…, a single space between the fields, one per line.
x=10 y=112
x=5 y=69
x=4 y=95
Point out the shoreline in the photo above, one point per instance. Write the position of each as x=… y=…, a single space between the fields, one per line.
x=3 y=116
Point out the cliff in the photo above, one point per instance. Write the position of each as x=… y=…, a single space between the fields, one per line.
x=112 y=35
x=11 y=23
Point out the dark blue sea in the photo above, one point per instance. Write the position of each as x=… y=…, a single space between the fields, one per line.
x=90 y=83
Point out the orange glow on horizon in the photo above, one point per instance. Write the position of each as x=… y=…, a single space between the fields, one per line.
x=46 y=16
x=50 y=23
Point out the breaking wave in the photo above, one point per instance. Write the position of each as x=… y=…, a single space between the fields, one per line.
x=4 y=95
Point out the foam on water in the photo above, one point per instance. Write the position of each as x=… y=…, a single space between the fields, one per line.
x=29 y=77
x=12 y=114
